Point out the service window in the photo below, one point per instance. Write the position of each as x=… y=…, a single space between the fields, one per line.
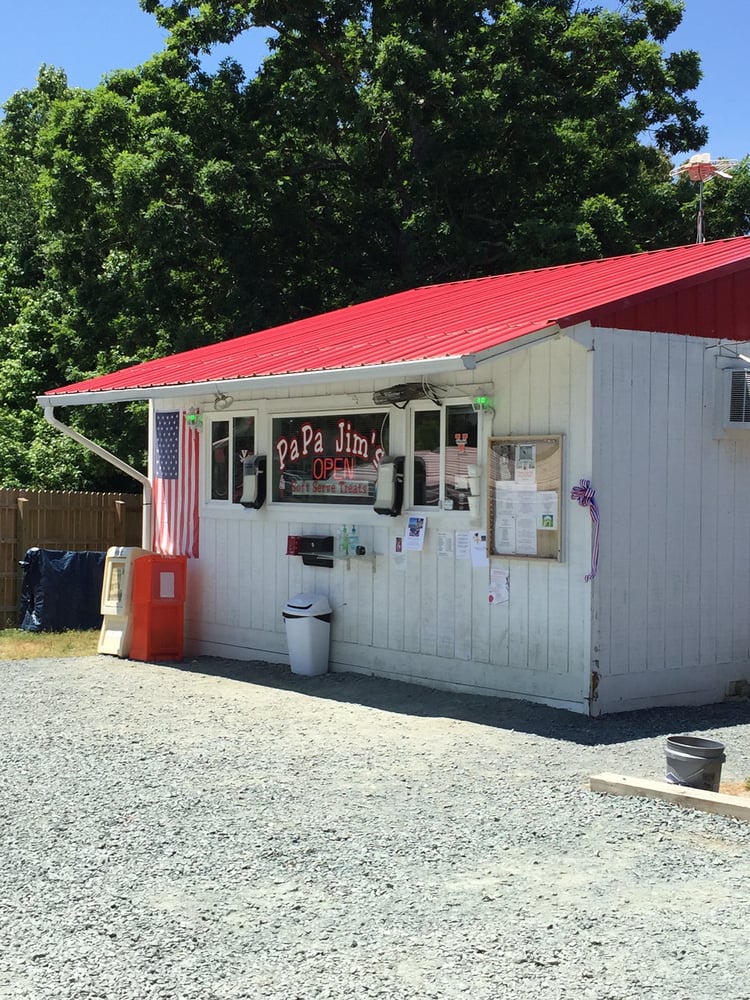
x=445 y=449
x=232 y=441
x=524 y=484
x=328 y=459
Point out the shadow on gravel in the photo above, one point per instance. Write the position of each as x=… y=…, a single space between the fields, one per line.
x=503 y=713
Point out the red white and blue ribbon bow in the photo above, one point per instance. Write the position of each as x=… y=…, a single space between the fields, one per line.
x=585 y=496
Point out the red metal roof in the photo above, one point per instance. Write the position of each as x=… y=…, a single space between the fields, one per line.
x=700 y=290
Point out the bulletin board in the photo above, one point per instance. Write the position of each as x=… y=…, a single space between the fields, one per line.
x=524 y=482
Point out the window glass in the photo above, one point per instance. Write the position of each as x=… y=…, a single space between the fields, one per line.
x=232 y=441
x=427 y=457
x=327 y=459
x=219 y=459
x=244 y=447
x=460 y=453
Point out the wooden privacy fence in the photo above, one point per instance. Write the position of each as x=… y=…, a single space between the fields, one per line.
x=74 y=522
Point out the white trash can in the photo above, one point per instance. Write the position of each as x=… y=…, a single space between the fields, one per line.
x=308 y=633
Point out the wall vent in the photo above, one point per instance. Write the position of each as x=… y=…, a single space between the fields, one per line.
x=738 y=412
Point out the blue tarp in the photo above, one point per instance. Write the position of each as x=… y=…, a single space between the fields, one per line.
x=61 y=590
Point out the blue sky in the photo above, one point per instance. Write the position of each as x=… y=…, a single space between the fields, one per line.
x=88 y=38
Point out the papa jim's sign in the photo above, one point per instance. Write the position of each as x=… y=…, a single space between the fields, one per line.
x=330 y=459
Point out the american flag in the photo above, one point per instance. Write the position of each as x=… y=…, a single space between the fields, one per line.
x=175 y=486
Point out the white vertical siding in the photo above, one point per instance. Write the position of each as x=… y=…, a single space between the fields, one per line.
x=432 y=622
x=681 y=489
x=740 y=598
x=673 y=594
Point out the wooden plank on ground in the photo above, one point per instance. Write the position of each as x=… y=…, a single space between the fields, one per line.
x=690 y=798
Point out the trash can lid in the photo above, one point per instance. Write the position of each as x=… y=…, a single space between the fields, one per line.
x=304 y=605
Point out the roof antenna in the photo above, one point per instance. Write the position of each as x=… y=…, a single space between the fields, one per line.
x=700 y=168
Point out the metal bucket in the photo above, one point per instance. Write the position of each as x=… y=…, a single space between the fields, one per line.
x=694 y=762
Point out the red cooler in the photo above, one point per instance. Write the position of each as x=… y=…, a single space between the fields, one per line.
x=158 y=607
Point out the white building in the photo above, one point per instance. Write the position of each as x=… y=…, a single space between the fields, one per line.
x=511 y=390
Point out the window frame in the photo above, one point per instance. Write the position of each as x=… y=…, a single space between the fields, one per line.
x=420 y=406
x=209 y=421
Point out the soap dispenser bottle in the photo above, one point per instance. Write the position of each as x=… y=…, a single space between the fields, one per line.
x=344 y=542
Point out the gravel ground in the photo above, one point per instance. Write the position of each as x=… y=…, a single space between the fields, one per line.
x=224 y=830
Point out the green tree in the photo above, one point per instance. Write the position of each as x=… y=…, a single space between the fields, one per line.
x=381 y=145
x=30 y=454
x=140 y=224
x=433 y=141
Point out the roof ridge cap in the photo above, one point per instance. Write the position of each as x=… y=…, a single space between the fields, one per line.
x=635 y=254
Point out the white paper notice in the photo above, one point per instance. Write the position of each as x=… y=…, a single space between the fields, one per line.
x=166 y=585
x=499 y=586
x=445 y=544
x=525 y=502
x=526 y=534
x=398 y=554
x=479 y=549
x=519 y=514
x=463 y=545
x=415 y=532
x=505 y=534
x=526 y=464
x=547 y=510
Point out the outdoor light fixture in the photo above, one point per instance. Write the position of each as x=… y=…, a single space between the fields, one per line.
x=194 y=418
x=222 y=401
x=483 y=404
